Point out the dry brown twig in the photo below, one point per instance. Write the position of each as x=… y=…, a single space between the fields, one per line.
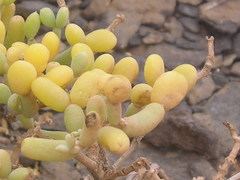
x=206 y=70
x=119 y=19
x=135 y=142
x=61 y=3
x=231 y=159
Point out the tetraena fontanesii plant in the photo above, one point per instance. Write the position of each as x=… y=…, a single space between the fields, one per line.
x=89 y=91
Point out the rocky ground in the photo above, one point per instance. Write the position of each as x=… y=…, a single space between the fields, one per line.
x=191 y=141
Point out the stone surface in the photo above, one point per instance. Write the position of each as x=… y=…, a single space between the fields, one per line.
x=174 y=56
x=180 y=129
x=224 y=17
x=222 y=43
x=142 y=6
x=153 y=13
x=218 y=61
x=190 y=24
x=58 y=170
x=219 y=78
x=236 y=44
x=174 y=28
x=185 y=44
x=192 y=2
x=153 y=18
x=196 y=169
x=236 y=69
x=188 y=10
x=229 y=59
x=224 y=106
x=192 y=36
x=177 y=164
x=95 y=10
x=153 y=38
x=27 y=7
x=202 y=90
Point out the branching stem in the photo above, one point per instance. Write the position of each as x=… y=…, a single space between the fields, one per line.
x=135 y=142
x=231 y=159
x=206 y=70
x=119 y=19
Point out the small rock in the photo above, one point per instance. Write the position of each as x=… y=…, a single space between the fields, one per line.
x=58 y=170
x=153 y=18
x=190 y=23
x=236 y=44
x=185 y=44
x=25 y=8
x=153 y=38
x=229 y=59
x=222 y=16
x=145 y=30
x=236 y=69
x=224 y=106
x=199 y=168
x=174 y=56
x=188 y=10
x=143 y=6
x=191 y=2
x=225 y=70
x=219 y=78
x=175 y=29
x=218 y=61
x=135 y=40
x=203 y=90
x=95 y=10
x=192 y=36
x=175 y=162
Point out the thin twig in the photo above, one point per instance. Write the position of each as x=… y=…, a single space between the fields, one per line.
x=136 y=166
x=16 y=150
x=206 y=70
x=135 y=142
x=61 y=3
x=119 y=19
x=91 y=165
x=231 y=159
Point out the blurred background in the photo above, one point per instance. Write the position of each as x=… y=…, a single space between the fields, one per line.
x=191 y=141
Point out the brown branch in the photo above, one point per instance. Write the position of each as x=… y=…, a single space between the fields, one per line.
x=91 y=165
x=17 y=148
x=136 y=166
x=231 y=159
x=135 y=142
x=206 y=70
x=61 y=3
x=119 y=19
